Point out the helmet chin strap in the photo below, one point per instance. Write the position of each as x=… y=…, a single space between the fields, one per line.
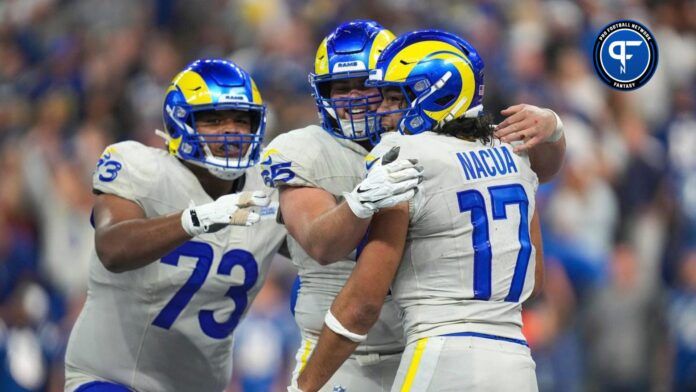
x=347 y=124
x=357 y=127
x=228 y=174
x=225 y=174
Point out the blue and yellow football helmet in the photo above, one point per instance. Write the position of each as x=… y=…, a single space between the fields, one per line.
x=439 y=74
x=213 y=84
x=350 y=51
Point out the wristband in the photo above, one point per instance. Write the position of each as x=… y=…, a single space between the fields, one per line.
x=558 y=132
x=332 y=322
x=190 y=222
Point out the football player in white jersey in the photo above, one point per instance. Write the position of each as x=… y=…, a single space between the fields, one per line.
x=318 y=170
x=176 y=266
x=464 y=253
x=316 y=167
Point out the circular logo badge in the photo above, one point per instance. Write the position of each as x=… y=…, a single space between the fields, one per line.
x=625 y=55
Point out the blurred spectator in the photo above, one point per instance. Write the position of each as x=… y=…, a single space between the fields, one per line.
x=682 y=325
x=30 y=345
x=57 y=176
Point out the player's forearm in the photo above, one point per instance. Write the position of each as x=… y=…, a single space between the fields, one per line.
x=135 y=243
x=357 y=310
x=357 y=307
x=546 y=159
x=330 y=353
x=333 y=349
x=334 y=235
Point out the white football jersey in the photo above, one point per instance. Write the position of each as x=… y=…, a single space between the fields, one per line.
x=168 y=326
x=469 y=262
x=310 y=157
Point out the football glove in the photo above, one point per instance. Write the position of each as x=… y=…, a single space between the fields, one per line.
x=386 y=185
x=226 y=210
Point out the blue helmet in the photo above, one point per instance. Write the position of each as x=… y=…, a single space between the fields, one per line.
x=439 y=74
x=213 y=84
x=350 y=51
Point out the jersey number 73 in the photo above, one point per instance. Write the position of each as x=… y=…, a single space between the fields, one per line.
x=238 y=294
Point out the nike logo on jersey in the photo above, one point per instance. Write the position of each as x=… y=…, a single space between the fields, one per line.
x=368 y=165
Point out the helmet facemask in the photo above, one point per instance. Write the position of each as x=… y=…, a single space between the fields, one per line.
x=214 y=85
x=238 y=151
x=359 y=109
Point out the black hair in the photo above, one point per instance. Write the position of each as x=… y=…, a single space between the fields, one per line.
x=475 y=128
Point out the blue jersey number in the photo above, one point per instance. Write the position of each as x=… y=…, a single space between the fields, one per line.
x=501 y=197
x=108 y=169
x=274 y=173
x=204 y=255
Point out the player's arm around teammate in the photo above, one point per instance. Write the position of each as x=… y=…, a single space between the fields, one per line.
x=325 y=228
x=328 y=229
x=541 y=132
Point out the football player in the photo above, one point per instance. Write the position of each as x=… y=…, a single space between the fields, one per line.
x=176 y=265
x=318 y=170
x=464 y=253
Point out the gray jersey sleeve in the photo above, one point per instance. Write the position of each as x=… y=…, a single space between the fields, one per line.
x=289 y=160
x=124 y=170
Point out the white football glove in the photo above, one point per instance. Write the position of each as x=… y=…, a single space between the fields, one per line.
x=386 y=185
x=226 y=210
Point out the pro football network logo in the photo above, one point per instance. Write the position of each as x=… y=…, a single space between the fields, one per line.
x=625 y=55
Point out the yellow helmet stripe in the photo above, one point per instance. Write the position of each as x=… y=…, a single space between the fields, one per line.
x=380 y=42
x=255 y=94
x=405 y=61
x=193 y=87
x=466 y=94
x=321 y=60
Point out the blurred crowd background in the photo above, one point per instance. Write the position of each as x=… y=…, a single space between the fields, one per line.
x=619 y=309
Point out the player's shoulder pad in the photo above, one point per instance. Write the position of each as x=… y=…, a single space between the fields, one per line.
x=522 y=160
x=289 y=158
x=522 y=155
x=387 y=142
x=127 y=169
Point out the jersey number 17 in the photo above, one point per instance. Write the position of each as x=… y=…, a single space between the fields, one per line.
x=500 y=196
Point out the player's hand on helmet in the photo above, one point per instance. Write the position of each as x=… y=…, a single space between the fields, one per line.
x=530 y=124
x=389 y=183
x=233 y=209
